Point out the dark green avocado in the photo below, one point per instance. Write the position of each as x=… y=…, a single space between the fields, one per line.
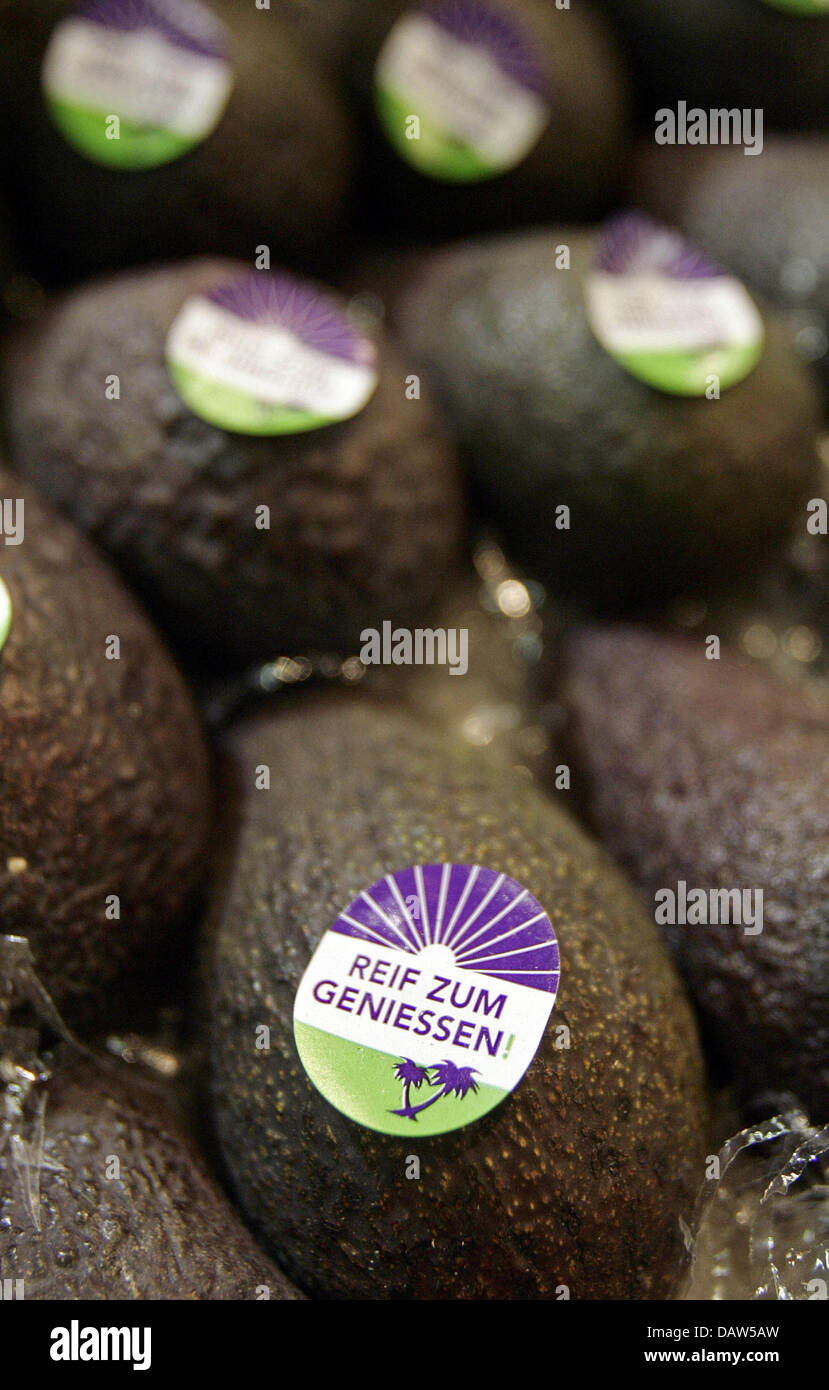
x=104 y=795
x=571 y=172
x=726 y=54
x=332 y=31
x=715 y=774
x=664 y=492
x=276 y=170
x=112 y=1201
x=579 y=1176
x=364 y=515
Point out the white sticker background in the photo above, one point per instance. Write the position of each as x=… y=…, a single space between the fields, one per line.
x=522 y=1014
x=267 y=362
x=658 y=313
x=136 y=75
x=461 y=88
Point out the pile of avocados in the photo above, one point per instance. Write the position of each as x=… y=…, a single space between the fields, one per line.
x=414 y=653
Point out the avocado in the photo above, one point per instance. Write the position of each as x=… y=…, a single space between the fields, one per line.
x=780 y=619
x=766 y=219
x=275 y=170
x=664 y=492
x=104 y=789
x=697 y=50
x=364 y=514
x=332 y=31
x=578 y=1177
x=713 y=774
x=111 y=1200
x=570 y=171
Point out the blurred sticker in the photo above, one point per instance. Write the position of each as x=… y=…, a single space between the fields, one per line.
x=268 y=354
x=668 y=315
x=136 y=83
x=5 y=613
x=460 y=90
x=800 y=6
x=426 y=1001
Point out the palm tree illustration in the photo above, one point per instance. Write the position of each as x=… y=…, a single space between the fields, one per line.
x=410 y=1074
x=445 y=1075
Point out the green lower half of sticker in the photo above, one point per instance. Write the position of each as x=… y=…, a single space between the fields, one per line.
x=433 y=151
x=5 y=613
x=136 y=147
x=361 y=1082
x=807 y=7
x=691 y=373
x=235 y=410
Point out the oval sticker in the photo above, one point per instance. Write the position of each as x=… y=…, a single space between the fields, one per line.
x=425 y=1003
x=136 y=83
x=268 y=354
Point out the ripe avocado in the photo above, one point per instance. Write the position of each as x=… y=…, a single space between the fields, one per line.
x=364 y=515
x=570 y=172
x=664 y=492
x=698 y=51
x=104 y=790
x=276 y=169
x=715 y=774
x=766 y=219
x=332 y=31
x=518 y=1203
x=159 y=1228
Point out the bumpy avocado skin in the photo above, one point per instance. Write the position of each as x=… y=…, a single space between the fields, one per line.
x=103 y=771
x=365 y=516
x=766 y=219
x=665 y=492
x=578 y=1177
x=276 y=170
x=161 y=1229
x=712 y=773
x=572 y=171
x=726 y=54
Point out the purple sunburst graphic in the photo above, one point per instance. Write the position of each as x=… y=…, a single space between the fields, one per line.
x=184 y=23
x=476 y=22
x=487 y=921
x=284 y=302
x=633 y=244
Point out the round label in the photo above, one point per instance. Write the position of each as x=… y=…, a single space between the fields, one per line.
x=460 y=90
x=136 y=83
x=5 y=613
x=425 y=1003
x=807 y=7
x=668 y=315
x=268 y=354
